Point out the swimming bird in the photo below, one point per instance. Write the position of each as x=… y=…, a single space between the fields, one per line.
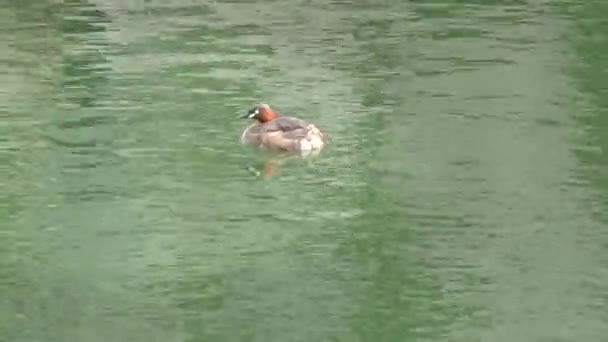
x=281 y=133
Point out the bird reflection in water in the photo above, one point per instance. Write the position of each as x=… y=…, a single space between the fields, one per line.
x=272 y=161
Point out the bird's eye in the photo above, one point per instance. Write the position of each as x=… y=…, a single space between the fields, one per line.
x=253 y=113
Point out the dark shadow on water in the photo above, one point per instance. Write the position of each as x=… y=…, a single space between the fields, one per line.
x=85 y=65
x=590 y=46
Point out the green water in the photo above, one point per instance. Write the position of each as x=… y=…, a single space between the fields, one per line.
x=463 y=197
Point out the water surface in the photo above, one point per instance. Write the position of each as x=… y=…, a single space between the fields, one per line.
x=463 y=196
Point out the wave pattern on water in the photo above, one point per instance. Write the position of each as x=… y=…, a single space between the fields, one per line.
x=461 y=196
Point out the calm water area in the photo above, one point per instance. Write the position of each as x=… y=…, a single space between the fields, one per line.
x=463 y=195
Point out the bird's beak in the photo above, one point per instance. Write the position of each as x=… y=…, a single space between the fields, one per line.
x=246 y=116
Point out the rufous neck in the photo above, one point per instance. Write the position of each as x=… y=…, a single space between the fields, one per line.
x=267 y=115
